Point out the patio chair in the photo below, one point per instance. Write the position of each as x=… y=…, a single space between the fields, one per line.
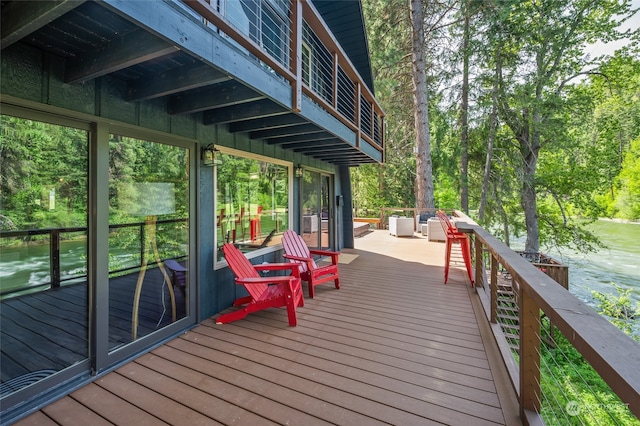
x=264 y=292
x=178 y=274
x=455 y=237
x=296 y=251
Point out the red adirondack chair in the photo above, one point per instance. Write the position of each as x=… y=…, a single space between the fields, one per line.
x=296 y=251
x=264 y=292
x=455 y=236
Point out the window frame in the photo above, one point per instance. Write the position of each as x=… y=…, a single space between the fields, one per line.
x=219 y=264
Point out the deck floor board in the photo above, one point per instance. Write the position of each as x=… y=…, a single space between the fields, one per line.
x=393 y=346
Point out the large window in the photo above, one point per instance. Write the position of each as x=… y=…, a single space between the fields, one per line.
x=44 y=317
x=252 y=201
x=148 y=236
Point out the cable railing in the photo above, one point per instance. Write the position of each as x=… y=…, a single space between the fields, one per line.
x=290 y=38
x=593 y=351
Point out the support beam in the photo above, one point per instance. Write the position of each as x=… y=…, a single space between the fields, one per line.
x=131 y=49
x=20 y=18
x=218 y=96
x=298 y=129
x=317 y=145
x=260 y=109
x=310 y=137
x=333 y=149
x=186 y=77
x=266 y=123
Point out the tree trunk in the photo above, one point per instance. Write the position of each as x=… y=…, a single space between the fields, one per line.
x=424 y=179
x=530 y=148
x=492 y=135
x=464 y=121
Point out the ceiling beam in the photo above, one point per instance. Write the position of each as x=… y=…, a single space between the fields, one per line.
x=317 y=143
x=279 y=132
x=309 y=137
x=220 y=95
x=331 y=147
x=266 y=123
x=20 y=18
x=131 y=49
x=253 y=110
x=183 y=78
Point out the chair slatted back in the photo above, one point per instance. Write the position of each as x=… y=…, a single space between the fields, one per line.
x=447 y=226
x=294 y=245
x=242 y=268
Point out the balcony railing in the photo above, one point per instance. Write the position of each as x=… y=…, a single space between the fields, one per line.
x=53 y=236
x=611 y=353
x=290 y=37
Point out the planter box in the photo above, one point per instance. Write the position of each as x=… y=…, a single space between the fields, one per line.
x=556 y=270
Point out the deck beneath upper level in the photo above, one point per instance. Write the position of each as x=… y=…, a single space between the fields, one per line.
x=394 y=345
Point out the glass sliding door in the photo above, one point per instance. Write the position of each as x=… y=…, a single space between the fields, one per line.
x=326 y=212
x=316 y=222
x=148 y=237
x=44 y=320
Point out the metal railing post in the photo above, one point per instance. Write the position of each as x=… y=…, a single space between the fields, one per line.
x=54 y=257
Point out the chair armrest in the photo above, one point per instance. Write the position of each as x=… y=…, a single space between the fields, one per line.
x=279 y=267
x=298 y=258
x=290 y=283
x=303 y=260
x=266 y=280
x=324 y=252
x=333 y=254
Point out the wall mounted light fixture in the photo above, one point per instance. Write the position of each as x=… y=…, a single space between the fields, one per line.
x=299 y=171
x=208 y=155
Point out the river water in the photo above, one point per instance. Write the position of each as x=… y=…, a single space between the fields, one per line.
x=618 y=263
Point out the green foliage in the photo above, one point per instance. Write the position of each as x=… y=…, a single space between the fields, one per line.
x=628 y=199
x=621 y=310
x=574 y=393
x=44 y=174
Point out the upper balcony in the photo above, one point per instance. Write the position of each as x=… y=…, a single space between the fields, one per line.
x=269 y=68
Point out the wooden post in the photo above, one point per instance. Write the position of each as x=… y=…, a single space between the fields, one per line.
x=356 y=114
x=335 y=80
x=479 y=278
x=529 y=353
x=296 y=54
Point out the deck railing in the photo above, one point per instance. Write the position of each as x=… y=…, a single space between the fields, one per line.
x=290 y=37
x=612 y=354
x=54 y=235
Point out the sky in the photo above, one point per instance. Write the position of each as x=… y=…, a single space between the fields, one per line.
x=633 y=23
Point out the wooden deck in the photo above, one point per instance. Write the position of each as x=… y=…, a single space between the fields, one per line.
x=393 y=346
x=44 y=332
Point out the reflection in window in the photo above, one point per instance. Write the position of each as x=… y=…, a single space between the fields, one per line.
x=148 y=236
x=252 y=202
x=43 y=250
